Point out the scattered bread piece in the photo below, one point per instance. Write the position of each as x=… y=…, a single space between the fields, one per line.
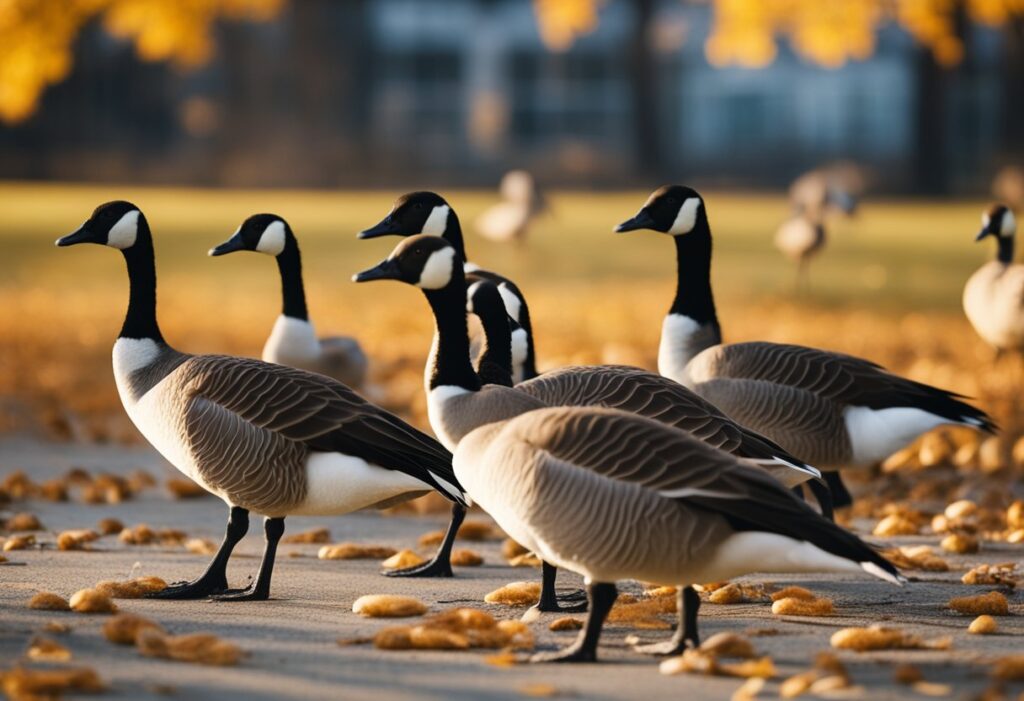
x=54 y=490
x=34 y=684
x=124 y=628
x=92 y=601
x=728 y=645
x=48 y=601
x=830 y=683
x=201 y=546
x=983 y=625
x=431 y=539
x=793 y=593
x=132 y=588
x=881 y=638
x=798 y=684
x=466 y=558
x=748 y=690
x=515 y=594
x=202 y=648
x=43 y=649
x=431 y=638
x=700 y=662
x=565 y=623
x=76 y=539
x=907 y=674
x=733 y=593
x=539 y=690
x=792 y=606
x=354 y=551
x=915 y=557
x=993 y=603
x=959 y=543
x=932 y=688
x=388 y=606
x=506 y=658
x=182 y=488
x=315 y=535
x=23 y=522
x=525 y=560
x=963 y=508
x=109 y=526
x=1015 y=515
x=1009 y=669
x=402 y=560
x=1001 y=575
x=395 y=638
x=19 y=542
x=511 y=549
x=894 y=525
x=476 y=529
x=141 y=534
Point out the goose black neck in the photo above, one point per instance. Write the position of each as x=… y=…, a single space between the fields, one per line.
x=1004 y=254
x=495 y=365
x=140 y=320
x=293 y=294
x=451 y=364
x=693 y=272
x=453 y=234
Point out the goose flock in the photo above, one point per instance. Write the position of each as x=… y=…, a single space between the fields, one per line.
x=692 y=474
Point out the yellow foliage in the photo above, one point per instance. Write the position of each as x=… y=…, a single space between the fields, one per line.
x=562 y=21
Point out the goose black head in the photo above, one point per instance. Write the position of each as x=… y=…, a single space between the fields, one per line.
x=672 y=209
x=997 y=220
x=263 y=233
x=114 y=224
x=413 y=213
x=428 y=262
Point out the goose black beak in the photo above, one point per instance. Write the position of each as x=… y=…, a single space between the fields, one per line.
x=81 y=235
x=386 y=227
x=387 y=269
x=642 y=220
x=983 y=233
x=230 y=246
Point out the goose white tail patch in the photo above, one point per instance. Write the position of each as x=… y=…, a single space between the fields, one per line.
x=760 y=551
x=339 y=484
x=272 y=239
x=873 y=569
x=437 y=223
x=875 y=434
x=122 y=235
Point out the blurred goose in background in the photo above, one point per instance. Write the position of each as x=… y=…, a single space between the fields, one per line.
x=1008 y=187
x=831 y=409
x=613 y=496
x=994 y=294
x=293 y=339
x=837 y=187
x=429 y=213
x=262 y=437
x=460 y=400
x=800 y=238
x=521 y=203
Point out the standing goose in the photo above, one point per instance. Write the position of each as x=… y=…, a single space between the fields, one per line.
x=521 y=203
x=263 y=437
x=428 y=213
x=833 y=410
x=800 y=238
x=293 y=340
x=613 y=496
x=459 y=402
x=994 y=295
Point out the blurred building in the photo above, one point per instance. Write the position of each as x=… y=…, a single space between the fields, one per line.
x=453 y=92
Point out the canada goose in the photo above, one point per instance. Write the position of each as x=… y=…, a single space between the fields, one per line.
x=262 y=437
x=521 y=203
x=293 y=340
x=994 y=294
x=800 y=238
x=459 y=400
x=837 y=187
x=831 y=409
x=612 y=496
x=429 y=213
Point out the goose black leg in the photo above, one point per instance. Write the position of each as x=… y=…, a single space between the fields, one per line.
x=688 y=604
x=259 y=590
x=215 y=579
x=602 y=596
x=823 y=494
x=550 y=602
x=441 y=565
x=841 y=496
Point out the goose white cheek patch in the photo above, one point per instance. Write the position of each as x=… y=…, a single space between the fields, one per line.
x=686 y=219
x=272 y=239
x=437 y=272
x=437 y=222
x=122 y=234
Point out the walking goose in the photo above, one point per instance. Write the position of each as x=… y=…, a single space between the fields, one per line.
x=994 y=294
x=429 y=213
x=612 y=496
x=833 y=410
x=459 y=402
x=293 y=340
x=262 y=437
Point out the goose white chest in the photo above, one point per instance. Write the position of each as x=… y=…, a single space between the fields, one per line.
x=291 y=341
x=675 y=348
